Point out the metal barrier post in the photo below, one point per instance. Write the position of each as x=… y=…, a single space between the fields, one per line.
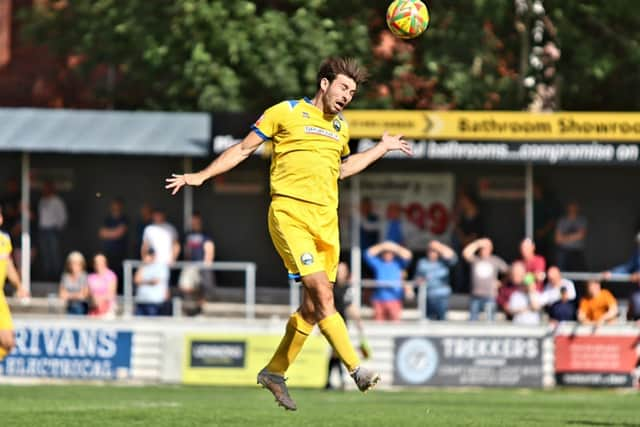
x=422 y=301
x=127 y=305
x=250 y=291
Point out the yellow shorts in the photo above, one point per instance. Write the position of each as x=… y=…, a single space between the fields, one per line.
x=5 y=315
x=305 y=235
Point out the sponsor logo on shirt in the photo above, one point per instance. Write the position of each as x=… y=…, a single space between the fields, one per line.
x=319 y=131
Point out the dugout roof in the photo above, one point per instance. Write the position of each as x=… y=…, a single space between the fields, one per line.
x=105 y=132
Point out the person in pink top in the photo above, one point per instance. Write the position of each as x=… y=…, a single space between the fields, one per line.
x=103 y=284
x=533 y=263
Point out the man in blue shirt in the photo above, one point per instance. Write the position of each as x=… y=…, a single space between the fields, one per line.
x=433 y=272
x=388 y=261
x=114 y=234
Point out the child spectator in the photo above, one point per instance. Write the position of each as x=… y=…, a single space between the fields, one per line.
x=152 y=281
x=598 y=307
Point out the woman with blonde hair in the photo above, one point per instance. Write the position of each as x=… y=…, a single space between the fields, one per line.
x=103 y=284
x=74 y=286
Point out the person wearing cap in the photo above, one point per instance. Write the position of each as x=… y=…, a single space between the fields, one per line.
x=524 y=304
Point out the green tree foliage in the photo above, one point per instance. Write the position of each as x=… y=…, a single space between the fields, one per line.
x=240 y=55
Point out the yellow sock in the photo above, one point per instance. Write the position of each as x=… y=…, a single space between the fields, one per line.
x=295 y=335
x=335 y=331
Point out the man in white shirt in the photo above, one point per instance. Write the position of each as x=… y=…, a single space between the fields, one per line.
x=152 y=283
x=162 y=237
x=52 y=218
x=524 y=303
x=555 y=282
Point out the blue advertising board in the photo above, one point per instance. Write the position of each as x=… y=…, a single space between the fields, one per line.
x=69 y=353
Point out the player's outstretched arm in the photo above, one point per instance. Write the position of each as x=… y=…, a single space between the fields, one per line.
x=226 y=161
x=358 y=162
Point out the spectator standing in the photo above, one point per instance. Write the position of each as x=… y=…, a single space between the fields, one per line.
x=343 y=299
x=52 y=218
x=571 y=233
x=369 y=225
x=598 y=307
x=103 y=285
x=469 y=226
x=144 y=219
x=394 y=232
x=485 y=268
x=196 y=284
x=555 y=284
x=162 y=238
x=544 y=220
x=74 y=285
x=114 y=235
x=152 y=282
x=524 y=303
x=533 y=263
x=433 y=272
x=388 y=261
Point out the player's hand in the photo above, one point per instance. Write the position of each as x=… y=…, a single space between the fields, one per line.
x=176 y=181
x=22 y=293
x=396 y=143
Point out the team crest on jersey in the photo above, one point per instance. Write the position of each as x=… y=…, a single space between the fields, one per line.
x=306 y=258
x=336 y=125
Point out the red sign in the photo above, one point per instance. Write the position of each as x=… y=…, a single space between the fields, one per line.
x=599 y=354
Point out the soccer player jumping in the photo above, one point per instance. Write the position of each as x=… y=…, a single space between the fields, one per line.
x=310 y=152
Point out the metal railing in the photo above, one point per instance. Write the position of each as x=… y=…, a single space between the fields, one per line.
x=249 y=269
x=421 y=296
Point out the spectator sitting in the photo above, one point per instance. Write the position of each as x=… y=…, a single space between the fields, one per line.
x=103 y=285
x=74 y=287
x=52 y=218
x=394 y=224
x=524 y=304
x=563 y=310
x=162 y=237
x=555 y=283
x=196 y=284
x=485 y=268
x=152 y=282
x=517 y=276
x=571 y=234
x=631 y=266
x=433 y=272
x=388 y=261
x=633 y=313
x=598 y=307
x=533 y=263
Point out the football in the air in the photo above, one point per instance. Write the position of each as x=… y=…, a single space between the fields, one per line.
x=407 y=19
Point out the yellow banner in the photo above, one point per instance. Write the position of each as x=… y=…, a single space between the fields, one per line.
x=495 y=126
x=237 y=359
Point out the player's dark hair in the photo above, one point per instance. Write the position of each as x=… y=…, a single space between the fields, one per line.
x=349 y=67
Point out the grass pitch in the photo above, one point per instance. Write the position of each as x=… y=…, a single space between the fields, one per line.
x=53 y=405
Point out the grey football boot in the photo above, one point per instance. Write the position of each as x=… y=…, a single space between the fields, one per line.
x=276 y=385
x=365 y=379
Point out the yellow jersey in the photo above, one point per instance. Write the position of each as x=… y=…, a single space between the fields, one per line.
x=5 y=253
x=307 y=149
